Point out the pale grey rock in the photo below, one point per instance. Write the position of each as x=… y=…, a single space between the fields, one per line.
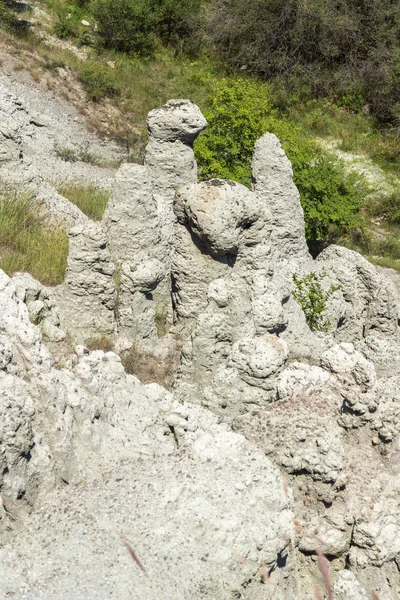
x=176 y=522
x=35 y=129
x=273 y=182
x=386 y=420
x=41 y=305
x=300 y=433
x=300 y=379
x=366 y=303
x=130 y=220
x=345 y=361
x=216 y=212
x=330 y=534
x=146 y=276
x=21 y=347
x=176 y=120
x=133 y=229
x=347 y=587
x=257 y=358
x=170 y=160
x=173 y=129
x=86 y=300
x=376 y=531
x=357 y=383
x=192 y=273
x=228 y=287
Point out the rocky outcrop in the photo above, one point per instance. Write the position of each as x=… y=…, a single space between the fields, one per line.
x=41 y=306
x=366 y=302
x=78 y=425
x=273 y=468
x=86 y=300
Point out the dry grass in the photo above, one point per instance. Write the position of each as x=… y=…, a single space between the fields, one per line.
x=150 y=368
x=89 y=199
x=27 y=244
x=101 y=342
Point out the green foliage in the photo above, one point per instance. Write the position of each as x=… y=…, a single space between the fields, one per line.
x=100 y=82
x=6 y=15
x=241 y=111
x=89 y=199
x=134 y=25
x=387 y=208
x=331 y=198
x=313 y=298
x=347 y=49
x=238 y=117
x=125 y=25
x=26 y=244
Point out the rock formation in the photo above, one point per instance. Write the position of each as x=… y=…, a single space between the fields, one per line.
x=275 y=459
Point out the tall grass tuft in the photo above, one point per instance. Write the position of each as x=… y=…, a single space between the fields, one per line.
x=27 y=244
x=89 y=199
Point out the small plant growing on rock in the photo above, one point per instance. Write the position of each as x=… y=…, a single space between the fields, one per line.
x=313 y=299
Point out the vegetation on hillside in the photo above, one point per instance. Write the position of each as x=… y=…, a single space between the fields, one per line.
x=347 y=50
x=241 y=111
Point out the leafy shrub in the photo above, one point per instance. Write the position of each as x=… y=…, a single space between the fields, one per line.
x=388 y=207
x=312 y=297
x=331 y=198
x=133 y=25
x=99 y=81
x=239 y=115
x=177 y=20
x=66 y=26
x=26 y=244
x=348 y=48
x=125 y=25
x=241 y=111
x=7 y=17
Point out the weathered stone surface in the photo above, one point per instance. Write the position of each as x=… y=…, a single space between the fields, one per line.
x=176 y=120
x=87 y=298
x=179 y=524
x=299 y=432
x=312 y=463
x=273 y=182
x=347 y=587
x=41 y=305
x=367 y=301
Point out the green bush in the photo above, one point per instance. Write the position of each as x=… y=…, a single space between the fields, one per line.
x=134 y=25
x=177 y=20
x=331 y=198
x=347 y=49
x=240 y=113
x=313 y=298
x=100 y=82
x=125 y=25
x=7 y=17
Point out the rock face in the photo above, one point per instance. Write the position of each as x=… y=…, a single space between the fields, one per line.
x=52 y=424
x=87 y=298
x=279 y=445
